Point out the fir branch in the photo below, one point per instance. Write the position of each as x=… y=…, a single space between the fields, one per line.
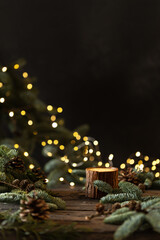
x=149 y=203
x=129 y=226
x=119 y=218
x=148 y=182
x=153 y=218
x=103 y=186
x=11 y=197
x=10 y=185
x=121 y=210
x=121 y=197
x=128 y=187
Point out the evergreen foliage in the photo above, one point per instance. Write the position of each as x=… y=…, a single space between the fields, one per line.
x=103 y=186
x=121 y=197
x=128 y=187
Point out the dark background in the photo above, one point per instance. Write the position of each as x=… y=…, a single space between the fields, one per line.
x=99 y=60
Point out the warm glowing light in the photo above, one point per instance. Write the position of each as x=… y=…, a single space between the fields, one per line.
x=85 y=139
x=4 y=69
x=132 y=161
x=35 y=133
x=31 y=166
x=29 y=86
x=75 y=134
x=49 y=154
x=2 y=100
x=54 y=124
x=154 y=163
x=53 y=118
x=46 y=180
x=81 y=178
x=91 y=158
x=16 y=66
x=26 y=154
x=11 y=114
x=61 y=179
x=61 y=147
x=16 y=145
x=70 y=170
x=122 y=166
x=107 y=165
x=98 y=153
x=147 y=169
x=74 y=164
x=100 y=164
x=55 y=142
x=73 y=142
x=59 y=110
x=90 y=150
x=72 y=184
x=146 y=158
x=49 y=107
x=25 y=74
x=23 y=112
x=78 y=137
x=85 y=159
x=111 y=156
x=75 y=148
x=1 y=84
x=43 y=143
x=66 y=160
x=49 y=141
x=153 y=168
x=157 y=161
x=128 y=160
x=157 y=174
x=138 y=154
x=95 y=142
x=141 y=167
x=140 y=162
x=30 y=122
x=86 y=142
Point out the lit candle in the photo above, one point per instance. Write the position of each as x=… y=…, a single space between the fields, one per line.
x=109 y=175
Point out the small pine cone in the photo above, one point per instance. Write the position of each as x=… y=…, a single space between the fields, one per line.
x=132 y=205
x=138 y=207
x=142 y=187
x=30 y=187
x=115 y=206
x=16 y=182
x=23 y=184
x=39 y=174
x=15 y=163
x=100 y=208
x=36 y=208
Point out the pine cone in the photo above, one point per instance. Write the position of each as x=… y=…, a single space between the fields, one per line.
x=142 y=187
x=15 y=163
x=100 y=208
x=39 y=174
x=128 y=175
x=37 y=208
x=115 y=206
x=23 y=184
x=30 y=187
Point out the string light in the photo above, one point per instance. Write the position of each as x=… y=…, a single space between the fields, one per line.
x=49 y=141
x=49 y=154
x=43 y=143
x=95 y=142
x=30 y=122
x=61 y=179
x=74 y=164
x=2 y=100
x=147 y=169
x=11 y=114
x=49 y=107
x=29 y=86
x=16 y=66
x=23 y=112
x=132 y=161
x=35 y=133
x=59 y=110
x=53 y=118
x=4 y=69
x=31 y=166
x=72 y=184
x=86 y=142
x=26 y=154
x=122 y=166
x=138 y=154
x=46 y=180
x=75 y=148
x=153 y=168
x=98 y=153
x=81 y=178
x=75 y=134
x=1 y=84
x=85 y=139
x=90 y=150
x=55 y=142
x=85 y=159
x=146 y=158
x=111 y=156
x=157 y=174
x=78 y=137
x=100 y=164
x=61 y=147
x=70 y=170
x=54 y=124
x=16 y=145
x=107 y=165
x=25 y=74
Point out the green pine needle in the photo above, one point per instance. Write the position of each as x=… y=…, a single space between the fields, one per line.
x=103 y=186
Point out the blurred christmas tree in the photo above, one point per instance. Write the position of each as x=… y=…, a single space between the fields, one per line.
x=26 y=123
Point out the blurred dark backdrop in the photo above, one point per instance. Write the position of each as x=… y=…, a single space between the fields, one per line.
x=99 y=60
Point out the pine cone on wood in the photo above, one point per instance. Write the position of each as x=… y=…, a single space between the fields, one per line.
x=16 y=163
x=128 y=175
x=36 y=208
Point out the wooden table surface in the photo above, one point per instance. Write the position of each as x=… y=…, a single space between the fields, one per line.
x=78 y=207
